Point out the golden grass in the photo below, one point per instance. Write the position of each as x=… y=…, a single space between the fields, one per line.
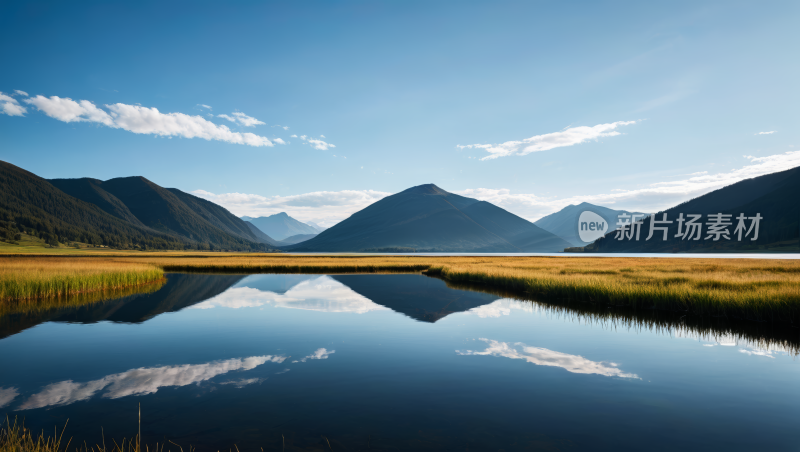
x=755 y=289
x=31 y=278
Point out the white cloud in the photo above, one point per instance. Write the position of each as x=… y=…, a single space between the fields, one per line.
x=766 y=133
x=7 y=395
x=320 y=353
x=10 y=106
x=67 y=110
x=765 y=353
x=145 y=380
x=324 y=207
x=243 y=119
x=544 y=357
x=653 y=198
x=294 y=136
x=501 y=307
x=322 y=136
x=204 y=106
x=19 y=92
x=241 y=383
x=317 y=144
x=143 y=120
x=322 y=294
x=568 y=137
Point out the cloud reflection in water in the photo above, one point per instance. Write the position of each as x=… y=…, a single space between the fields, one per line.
x=544 y=357
x=323 y=294
x=145 y=380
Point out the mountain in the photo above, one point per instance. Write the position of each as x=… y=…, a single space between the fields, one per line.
x=127 y=212
x=416 y=296
x=281 y=226
x=296 y=239
x=564 y=223
x=427 y=218
x=773 y=196
x=313 y=225
x=168 y=210
x=34 y=205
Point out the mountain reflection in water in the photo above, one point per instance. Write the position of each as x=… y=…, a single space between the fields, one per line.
x=394 y=362
x=418 y=297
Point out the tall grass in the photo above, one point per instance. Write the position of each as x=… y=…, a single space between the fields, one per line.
x=753 y=289
x=34 y=278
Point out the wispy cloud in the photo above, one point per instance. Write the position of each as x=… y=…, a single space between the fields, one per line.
x=145 y=380
x=243 y=119
x=653 y=198
x=19 y=92
x=320 y=353
x=7 y=395
x=544 y=357
x=317 y=144
x=143 y=120
x=10 y=106
x=324 y=207
x=567 y=137
x=204 y=106
x=766 y=133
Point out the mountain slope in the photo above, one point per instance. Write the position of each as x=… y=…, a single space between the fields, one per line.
x=175 y=212
x=91 y=191
x=430 y=219
x=296 y=239
x=564 y=223
x=35 y=204
x=773 y=196
x=262 y=238
x=281 y=226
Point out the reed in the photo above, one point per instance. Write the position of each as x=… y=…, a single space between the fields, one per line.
x=755 y=289
x=32 y=278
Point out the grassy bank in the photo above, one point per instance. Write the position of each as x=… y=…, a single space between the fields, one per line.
x=753 y=289
x=24 y=279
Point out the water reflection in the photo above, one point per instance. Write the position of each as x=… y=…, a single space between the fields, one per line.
x=7 y=395
x=544 y=357
x=141 y=381
x=180 y=291
x=322 y=293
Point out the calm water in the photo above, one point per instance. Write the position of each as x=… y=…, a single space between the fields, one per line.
x=393 y=362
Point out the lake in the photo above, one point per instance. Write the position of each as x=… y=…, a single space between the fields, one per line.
x=394 y=362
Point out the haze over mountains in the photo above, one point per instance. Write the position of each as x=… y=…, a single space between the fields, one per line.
x=427 y=218
x=564 y=223
x=281 y=226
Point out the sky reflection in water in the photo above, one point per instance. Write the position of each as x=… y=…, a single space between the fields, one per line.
x=395 y=362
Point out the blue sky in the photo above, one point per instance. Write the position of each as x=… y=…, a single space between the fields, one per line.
x=625 y=104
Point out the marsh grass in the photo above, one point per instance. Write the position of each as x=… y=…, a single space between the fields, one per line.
x=31 y=306
x=33 y=278
x=754 y=289
x=15 y=437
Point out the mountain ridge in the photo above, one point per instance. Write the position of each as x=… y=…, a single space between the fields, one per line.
x=428 y=218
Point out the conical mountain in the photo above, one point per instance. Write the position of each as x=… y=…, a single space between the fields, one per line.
x=427 y=218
